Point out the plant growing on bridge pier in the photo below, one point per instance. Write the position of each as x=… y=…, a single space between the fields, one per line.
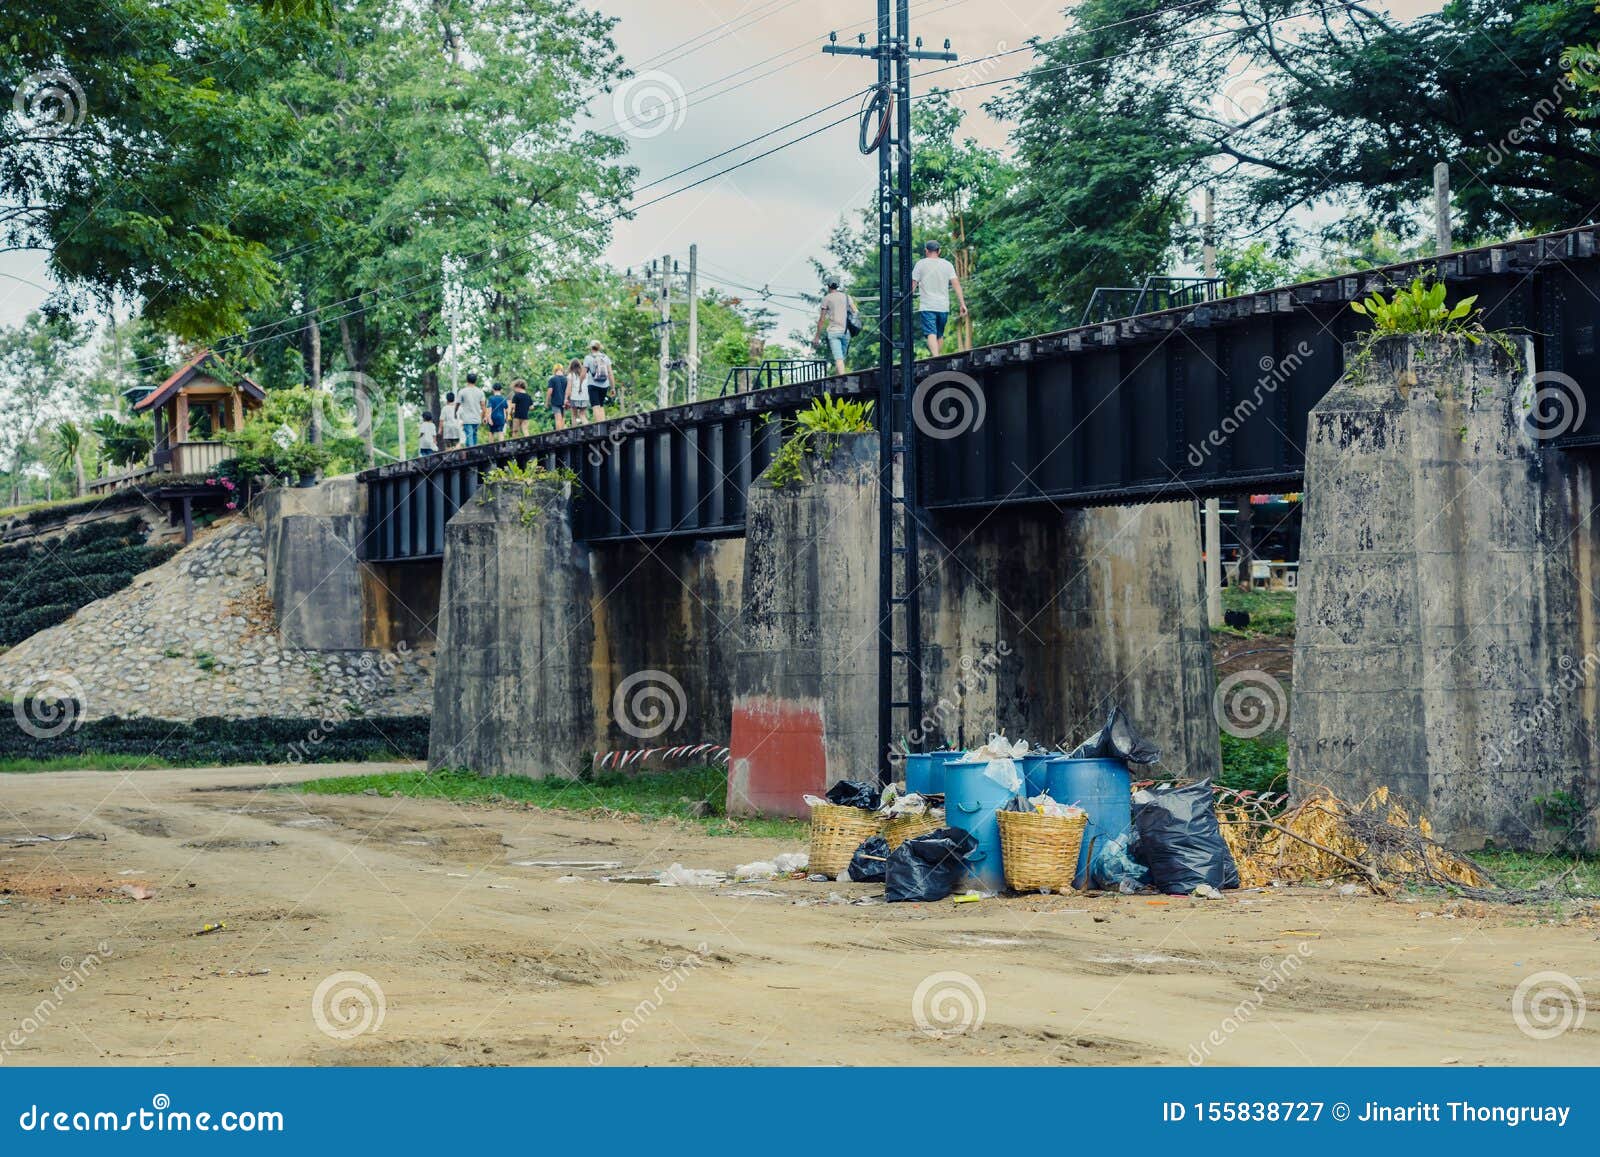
x=1421 y=309
x=827 y=418
x=524 y=476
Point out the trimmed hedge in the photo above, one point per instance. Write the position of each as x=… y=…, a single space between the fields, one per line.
x=42 y=584
x=212 y=741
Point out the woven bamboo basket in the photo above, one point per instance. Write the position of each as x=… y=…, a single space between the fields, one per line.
x=899 y=831
x=836 y=833
x=1040 y=851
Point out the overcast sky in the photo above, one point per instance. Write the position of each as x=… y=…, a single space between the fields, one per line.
x=733 y=70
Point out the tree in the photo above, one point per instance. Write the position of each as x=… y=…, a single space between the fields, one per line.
x=35 y=365
x=131 y=122
x=66 y=454
x=438 y=145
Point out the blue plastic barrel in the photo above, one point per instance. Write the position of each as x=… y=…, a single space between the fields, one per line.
x=941 y=760
x=919 y=773
x=1101 y=787
x=971 y=800
x=1033 y=772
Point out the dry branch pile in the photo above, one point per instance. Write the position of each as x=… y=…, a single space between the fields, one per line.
x=1326 y=838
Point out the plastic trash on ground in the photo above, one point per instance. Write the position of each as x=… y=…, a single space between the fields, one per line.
x=1117 y=740
x=679 y=876
x=1180 y=841
x=870 y=862
x=1001 y=755
x=760 y=870
x=928 y=867
x=1113 y=866
x=855 y=793
x=787 y=862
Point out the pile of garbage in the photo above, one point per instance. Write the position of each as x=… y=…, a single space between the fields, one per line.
x=1323 y=838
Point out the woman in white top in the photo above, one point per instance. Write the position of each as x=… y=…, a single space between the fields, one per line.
x=450 y=422
x=577 y=391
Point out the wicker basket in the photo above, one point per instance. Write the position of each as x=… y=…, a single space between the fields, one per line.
x=1040 y=851
x=899 y=831
x=836 y=833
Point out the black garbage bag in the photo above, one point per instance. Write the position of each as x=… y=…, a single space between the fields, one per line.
x=1179 y=840
x=1117 y=740
x=855 y=793
x=870 y=862
x=928 y=867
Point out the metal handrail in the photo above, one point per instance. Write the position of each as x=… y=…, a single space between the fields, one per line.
x=773 y=372
x=1159 y=292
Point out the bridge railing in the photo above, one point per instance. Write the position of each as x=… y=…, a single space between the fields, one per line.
x=1109 y=303
x=774 y=372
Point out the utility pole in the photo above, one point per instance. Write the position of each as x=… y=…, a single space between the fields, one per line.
x=694 y=323
x=663 y=384
x=400 y=428
x=897 y=475
x=1441 y=208
x=1213 y=535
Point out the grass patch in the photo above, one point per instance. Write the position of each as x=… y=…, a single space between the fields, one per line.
x=1530 y=869
x=1260 y=764
x=89 y=761
x=656 y=795
x=127 y=761
x=1271 y=612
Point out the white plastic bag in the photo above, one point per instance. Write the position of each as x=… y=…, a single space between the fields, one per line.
x=1001 y=755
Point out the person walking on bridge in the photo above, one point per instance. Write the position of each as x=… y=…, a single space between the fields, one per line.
x=450 y=422
x=521 y=407
x=578 y=399
x=933 y=278
x=833 y=324
x=495 y=407
x=473 y=409
x=555 y=395
x=598 y=376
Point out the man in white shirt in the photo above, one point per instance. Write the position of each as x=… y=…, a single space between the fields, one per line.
x=471 y=402
x=933 y=278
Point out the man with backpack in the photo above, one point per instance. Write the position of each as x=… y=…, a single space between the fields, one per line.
x=837 y=322
x=597 y=373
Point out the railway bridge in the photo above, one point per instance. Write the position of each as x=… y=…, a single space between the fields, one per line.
x=664 y=599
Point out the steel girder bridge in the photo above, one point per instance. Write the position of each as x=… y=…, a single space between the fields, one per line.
x=1194 y=401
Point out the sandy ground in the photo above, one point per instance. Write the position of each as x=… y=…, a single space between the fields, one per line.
x=481 y=961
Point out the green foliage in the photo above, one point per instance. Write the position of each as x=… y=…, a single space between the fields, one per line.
x=1565 y=814
x=815 y=430
x=1260 y=764
x=653 y=794
x=124 y=443
x=1421 y=309
x=514 y=473
x=1272 y=613
x=214 y=742
x=44 y=583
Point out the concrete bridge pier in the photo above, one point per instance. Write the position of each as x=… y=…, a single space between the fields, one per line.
x=513 y=688
x=1037 y=620
x=1447 y=625
x=805 y=694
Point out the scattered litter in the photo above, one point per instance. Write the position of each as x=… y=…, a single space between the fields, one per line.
x=569 y=879
x=309 y=822
x=1450 y=1061
x=245 y=972
x=208 y=929
x=792 y=861
x=817 y=878
x=760 y=870
x=967 y=898
x=138 y=891
x=20 y=840
x=631 y=878
x=1351 y=890
x=1298 y=932
x=1206 y=892
x=1157 y=903
x=862 y=901
x=459 y=875
x=752 y=892
x=679 y=876
x=131 y=872
x=576 y=865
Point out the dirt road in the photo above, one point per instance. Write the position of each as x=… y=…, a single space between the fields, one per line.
x=482 y=961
